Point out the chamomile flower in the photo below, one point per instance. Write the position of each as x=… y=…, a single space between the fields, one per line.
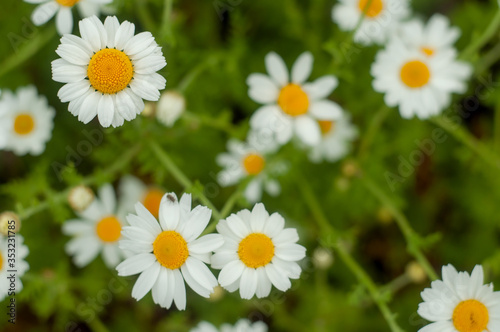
x=170 y=107
x=250 y=160
x=381 y=18
x=62 y=10
x=108 y=71
x=437 y=35
x=460 y=303
x=337 y=137
x=27 y=119
x=258 y=252
x=134 y=190
x=420 y=85
x=291 y=105
x=243 y=325
x=97 y=230
x=171 y=252
x=18 y=264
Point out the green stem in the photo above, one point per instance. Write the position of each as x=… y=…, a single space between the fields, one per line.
x=144 y=15
x=488 y=60
x=197 y=70
x=63 y=195
x=371 y=133
x=333 y=240
x=226 y=209
x=27 y=51
x=411 y=237
x=497 y=127
x=166 y=26
x=466 y=138
x=479 y=42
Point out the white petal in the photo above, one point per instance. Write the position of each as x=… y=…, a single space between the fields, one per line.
x=264 y=285
x=262 y=89
x=276 y=68
x=160 y=288
x=88 y=110
x=207 y=243
x=290 y=252
x=197 y=222
x=302 y=68
x=135 y=264
x=231 y=272
x=258 y=218
x=237 y=226
x=146 y=281
x=111 y=25
x=308 y=130
x=90 y=33
x=278 y=277
x=64 y=21
x=124 y=33
x=105 y=110
x=274 y=225
x=248 y=283
x=201 y=272
x=193 y=283
x=326 y=110
x=44 y=12
x=148 y=218
x=169 y=212
x=180 y=291
x=108 y=198
x=321 y=88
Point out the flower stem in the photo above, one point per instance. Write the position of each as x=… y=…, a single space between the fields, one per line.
x=166 y=25
x=334 y=241
x=482 y=40
x=413 y=240
x=371 y=133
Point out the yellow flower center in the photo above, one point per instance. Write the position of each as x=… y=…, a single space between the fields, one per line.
x=429 y=51
x=24 y=124
x=471 y=316
x=256 y=250
x=152 y=201
x=109 y=229
x=170 y=249
x=110 y=71
x=415 y=74
x=373 y=10
x=326 y=126
x=293 y=100
x=253 y=163
x=67 y=3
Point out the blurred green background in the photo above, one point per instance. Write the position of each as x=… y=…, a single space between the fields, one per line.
x=212 y=47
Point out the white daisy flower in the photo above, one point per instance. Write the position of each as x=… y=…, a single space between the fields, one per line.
x=97 y=230
x=460 y=303
x=109 y=71
x=19 y=264
x=27 y=120
x=381 y=19
x=170 y=107
x=171 y=252
x=292 y=106
x=243 y=325
x=436 y=36
x=46 y=9
x=420 y=85
x=258 y=252
x=337 y=137
x=243 y=160
x=134 y=190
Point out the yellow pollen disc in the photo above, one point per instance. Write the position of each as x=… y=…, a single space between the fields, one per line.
x=293 y=100
x=253 y=164
x=256 y=250
x=471 y=316
x=110 y=71
x=427 y=51
x=108 y=229
x=326 y=126
x=415 y=74
x=24 y=124
x=152 y=201
x=67 y=3
x=374 y=10
x=170 y=249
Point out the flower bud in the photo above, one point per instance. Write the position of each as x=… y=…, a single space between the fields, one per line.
x=170 y=107
x=9 y=221
x=80 y=197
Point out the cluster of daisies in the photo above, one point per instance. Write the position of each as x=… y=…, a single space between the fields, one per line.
x=418 y=70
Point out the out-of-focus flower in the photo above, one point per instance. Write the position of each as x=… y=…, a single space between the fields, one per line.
x=258 y=252
x=80 y=197
x=243 y=325
x=420 y=85
x=381 y=19
x=9 y=221
x=292 y=106
x=46 y=9
x=134 y=190
x=27 y=121
x=18 y=264
x=170 y=107
x=108 y=71
x=322 y=258
x=171 y=252
x=460 y=303
x=415 y=272
x=97 y=230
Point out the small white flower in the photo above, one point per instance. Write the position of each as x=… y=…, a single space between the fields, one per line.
x=97 y=229
x=460 y=303
x=381 y=19
x=337 y=137
x=258 y=252
x=434 y=37
x=62 y=10
x=291 y=105
x=27 y=121
x=243 y=160
x=170 y=107
x=243 y=325
x=134 y=190
x=420 y=85
x=162 y=251
x=108 y=71
x=19 y=263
